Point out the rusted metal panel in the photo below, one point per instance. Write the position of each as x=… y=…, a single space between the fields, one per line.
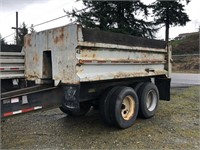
x=76 y=57
x=61 y=42
x=100 y=61
x=11 y=65
x=110 y=71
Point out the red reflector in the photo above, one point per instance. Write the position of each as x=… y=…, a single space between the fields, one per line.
x=8 y=114
x=14 y=68
x=27 y=110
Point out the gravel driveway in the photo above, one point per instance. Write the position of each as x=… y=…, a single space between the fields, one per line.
x=175 y=126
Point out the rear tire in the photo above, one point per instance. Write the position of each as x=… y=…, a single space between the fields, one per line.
x=124 y=106
x=137 y=86
x=148 y=98
x=84 y=108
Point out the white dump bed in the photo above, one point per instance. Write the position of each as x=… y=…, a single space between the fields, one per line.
x=72 y=54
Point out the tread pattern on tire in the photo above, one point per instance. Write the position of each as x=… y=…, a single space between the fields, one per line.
x=104 y=105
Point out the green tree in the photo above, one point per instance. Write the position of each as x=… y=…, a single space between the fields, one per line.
x=3 y=42
x=23 y=30
x=32 y=30
x=128 y=17
x=169 y=13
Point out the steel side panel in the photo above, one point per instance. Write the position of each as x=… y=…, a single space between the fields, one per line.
x=119 y=55
x=110 y=71
x=97 y=63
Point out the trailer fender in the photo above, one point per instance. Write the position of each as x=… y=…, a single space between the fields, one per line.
x=71 y=93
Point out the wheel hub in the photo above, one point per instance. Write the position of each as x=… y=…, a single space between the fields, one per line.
x=127 y=108
x=151 y=101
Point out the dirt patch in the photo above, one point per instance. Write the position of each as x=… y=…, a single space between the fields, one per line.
x=186 y=64
x=176 y=125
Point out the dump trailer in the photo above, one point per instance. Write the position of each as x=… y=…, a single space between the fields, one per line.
x=75 y=68
x=11 y=67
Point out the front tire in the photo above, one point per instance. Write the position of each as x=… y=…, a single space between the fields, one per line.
x=124 y=107
x=105 y=103
x=148 y=97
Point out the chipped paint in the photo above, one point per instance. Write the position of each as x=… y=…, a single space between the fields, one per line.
x=60 y=37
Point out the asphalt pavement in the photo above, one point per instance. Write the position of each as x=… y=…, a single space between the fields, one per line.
x=184 y=79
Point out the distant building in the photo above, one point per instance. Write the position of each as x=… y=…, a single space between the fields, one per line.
x=184 y=35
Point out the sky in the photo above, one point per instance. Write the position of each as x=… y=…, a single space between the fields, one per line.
x=39 y=11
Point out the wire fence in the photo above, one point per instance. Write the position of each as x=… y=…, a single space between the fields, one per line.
x=185 y=55
x=189 y=62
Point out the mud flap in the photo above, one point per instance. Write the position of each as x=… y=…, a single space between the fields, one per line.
x=163 y=85
x=71 y=93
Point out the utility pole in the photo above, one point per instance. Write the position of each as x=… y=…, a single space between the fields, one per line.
x=16 y=28
x=199 y=39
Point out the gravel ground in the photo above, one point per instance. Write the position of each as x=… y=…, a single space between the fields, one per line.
x=176 y=125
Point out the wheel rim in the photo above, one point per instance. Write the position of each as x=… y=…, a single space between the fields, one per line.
x=152 y=100
x=127 y=108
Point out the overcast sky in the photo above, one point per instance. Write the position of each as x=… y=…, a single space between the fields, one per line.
x=38 y=11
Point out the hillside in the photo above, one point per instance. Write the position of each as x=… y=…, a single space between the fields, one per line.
x=188 y=45
x=182 y=50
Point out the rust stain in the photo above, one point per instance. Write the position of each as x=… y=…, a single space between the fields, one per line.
x=33 y=76
x=128 y=75
x=84 y=61
x=88 y=53
x=146 y=61
x=101 y=61
x=60 y=37
x=80 y=70
x=35 y=58
x=27 y=41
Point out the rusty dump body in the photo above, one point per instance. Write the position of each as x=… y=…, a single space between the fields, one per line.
x=75 y=68
x=72 y=54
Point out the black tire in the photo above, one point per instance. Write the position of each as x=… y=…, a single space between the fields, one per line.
x=84 y=108
x=124 y=106
x=104 y=104
x=137 y=86
x=148 y=100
